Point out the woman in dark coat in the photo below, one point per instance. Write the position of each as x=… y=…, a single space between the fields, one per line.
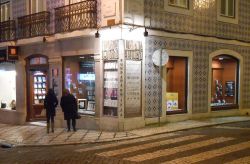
x=69 y=107
x=50 y=103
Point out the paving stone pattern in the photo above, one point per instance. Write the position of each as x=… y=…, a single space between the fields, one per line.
x=218 y=144
x=27 y=135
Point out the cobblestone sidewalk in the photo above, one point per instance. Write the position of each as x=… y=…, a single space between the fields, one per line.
x=27 y=135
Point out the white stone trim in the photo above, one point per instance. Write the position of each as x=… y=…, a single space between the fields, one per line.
x=233 y=20
x=240 y=59
x=189 y=55
x=179 y=10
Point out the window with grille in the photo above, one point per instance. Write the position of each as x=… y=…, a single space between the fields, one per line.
x=5 y=11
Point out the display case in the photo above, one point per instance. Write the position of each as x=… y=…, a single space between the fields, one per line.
x=110 y=88
x=39 y=88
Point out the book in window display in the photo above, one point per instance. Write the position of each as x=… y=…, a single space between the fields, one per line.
x=43 y=79
x=229 y=88
x=39 y=79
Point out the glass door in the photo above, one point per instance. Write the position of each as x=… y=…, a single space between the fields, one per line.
x=38 y=92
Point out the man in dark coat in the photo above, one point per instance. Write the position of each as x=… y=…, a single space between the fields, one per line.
x=69 y=107
x=50 y=103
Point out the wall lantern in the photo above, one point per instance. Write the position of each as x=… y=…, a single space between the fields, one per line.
x=97 y=34
x=145 y=33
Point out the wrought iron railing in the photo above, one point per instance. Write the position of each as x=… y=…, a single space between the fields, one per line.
x=34 y=25
x=76 y=16
x=7 y=30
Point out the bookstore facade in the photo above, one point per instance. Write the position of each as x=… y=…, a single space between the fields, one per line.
x=117 y=85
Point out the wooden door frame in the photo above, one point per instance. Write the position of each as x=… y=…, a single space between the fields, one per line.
x=29 y=68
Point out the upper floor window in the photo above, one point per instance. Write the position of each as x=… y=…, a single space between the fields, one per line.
x=227 y=8
x=184 y=7
x=75 y=1
x=228 y=11
x=37 y=6
x=179 y=3
x=5 y=11
x=67 y=2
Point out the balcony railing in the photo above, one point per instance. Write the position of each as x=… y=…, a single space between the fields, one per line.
x=7 y=30
x=76 y=16
x=34 y=25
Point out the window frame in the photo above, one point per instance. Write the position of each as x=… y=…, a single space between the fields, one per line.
x=29 y=7
x=228 y=19
x=178 y=5
x=7 y=12
x=236 y=104
x=189 y=57
x=226 y=14
x=184 y=110
x=178 y=9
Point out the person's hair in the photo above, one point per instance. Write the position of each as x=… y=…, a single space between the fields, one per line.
x=65 y=92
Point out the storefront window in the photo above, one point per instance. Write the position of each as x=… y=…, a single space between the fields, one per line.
x=8 y=86
x=79 y=78
x=224 y=82
x=176 y=92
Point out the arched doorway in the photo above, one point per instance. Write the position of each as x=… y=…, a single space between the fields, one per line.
x=225 y=81
x=37 y=85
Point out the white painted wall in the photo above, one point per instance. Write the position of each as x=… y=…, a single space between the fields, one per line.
x=7 y=83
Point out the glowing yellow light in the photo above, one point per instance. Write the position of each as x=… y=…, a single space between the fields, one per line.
x=203 y=4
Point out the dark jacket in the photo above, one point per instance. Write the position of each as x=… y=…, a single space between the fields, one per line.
x=50 y=103
x=69 y=106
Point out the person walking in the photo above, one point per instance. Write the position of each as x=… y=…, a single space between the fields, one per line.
x=69 y=107
x=50 y=103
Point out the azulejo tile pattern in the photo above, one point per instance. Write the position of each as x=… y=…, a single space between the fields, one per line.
x=201 y=51
x=203 y=20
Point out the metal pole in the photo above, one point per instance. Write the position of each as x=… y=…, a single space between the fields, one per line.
x=69 y=13
x=160 y=95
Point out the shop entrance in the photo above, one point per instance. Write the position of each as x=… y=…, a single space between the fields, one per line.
x=37 y=86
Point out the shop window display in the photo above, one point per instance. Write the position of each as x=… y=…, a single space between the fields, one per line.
x=40 y=86
x=224 y=82
x=176 y=91
x=79 y=78
x=8 y=86
x=110 y=88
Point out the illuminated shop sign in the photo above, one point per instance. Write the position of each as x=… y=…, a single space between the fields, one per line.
x=9 y=54
x=12 y=53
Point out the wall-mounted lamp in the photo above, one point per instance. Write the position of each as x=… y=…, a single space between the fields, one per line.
x=145 y=32
x=97 y=35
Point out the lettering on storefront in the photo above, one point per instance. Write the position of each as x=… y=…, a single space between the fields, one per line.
x=110 y=49
x=133 y=50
